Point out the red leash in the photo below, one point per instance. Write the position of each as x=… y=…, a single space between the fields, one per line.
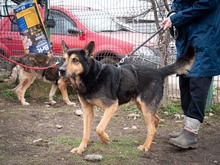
x=29 y=67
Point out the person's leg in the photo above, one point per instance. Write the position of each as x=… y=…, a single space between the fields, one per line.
x=199 y=88
x=185 y=99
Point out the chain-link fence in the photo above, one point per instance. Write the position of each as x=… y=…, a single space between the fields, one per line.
x=118 y=27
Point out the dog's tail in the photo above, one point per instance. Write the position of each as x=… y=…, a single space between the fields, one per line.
x=182 y=65
x=13 y=76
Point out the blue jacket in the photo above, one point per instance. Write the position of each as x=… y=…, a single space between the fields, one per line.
x=198 y=24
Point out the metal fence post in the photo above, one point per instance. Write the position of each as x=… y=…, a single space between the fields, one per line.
x=210 y=96
x=47 y=12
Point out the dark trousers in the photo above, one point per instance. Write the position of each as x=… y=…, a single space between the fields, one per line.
x=193 y=93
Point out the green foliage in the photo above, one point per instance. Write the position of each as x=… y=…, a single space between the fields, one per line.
x=130 y=107
x=9 y=95
x=121 y=149
x=214 y=108
x=6 y=92
x=3 y=158
x=38 y=90
x=174 y=107
x=67 y=140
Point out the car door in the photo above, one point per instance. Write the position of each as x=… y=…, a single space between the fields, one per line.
x=12 y=40
x=60 y=32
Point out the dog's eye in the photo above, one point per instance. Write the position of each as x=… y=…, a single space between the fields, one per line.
x=75 y=60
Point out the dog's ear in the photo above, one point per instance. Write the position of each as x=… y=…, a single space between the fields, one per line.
x=89 y=49
x=64 y=47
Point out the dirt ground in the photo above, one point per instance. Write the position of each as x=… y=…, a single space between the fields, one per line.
x=42 y=135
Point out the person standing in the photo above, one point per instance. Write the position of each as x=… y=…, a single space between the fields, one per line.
x=198 y=25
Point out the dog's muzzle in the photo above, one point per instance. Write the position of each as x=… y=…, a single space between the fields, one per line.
x=62 y=72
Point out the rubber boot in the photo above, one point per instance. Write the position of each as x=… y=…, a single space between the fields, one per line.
x=188 y=137
x=175 y=134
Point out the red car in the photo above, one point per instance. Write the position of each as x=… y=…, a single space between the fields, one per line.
x=77 y=27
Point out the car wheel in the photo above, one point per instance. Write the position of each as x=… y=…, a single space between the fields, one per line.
x=110 y=60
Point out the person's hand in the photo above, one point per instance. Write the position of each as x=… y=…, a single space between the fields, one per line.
x=167 y=23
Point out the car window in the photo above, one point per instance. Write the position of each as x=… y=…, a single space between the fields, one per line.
x=63 y=22
x=99 y=20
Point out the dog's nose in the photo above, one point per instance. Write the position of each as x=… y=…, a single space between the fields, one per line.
x=62 y=72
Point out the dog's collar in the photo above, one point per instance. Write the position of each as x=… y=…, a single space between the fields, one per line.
x=118 y=65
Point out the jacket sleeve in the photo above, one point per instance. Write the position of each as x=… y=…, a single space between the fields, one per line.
x=199 y=8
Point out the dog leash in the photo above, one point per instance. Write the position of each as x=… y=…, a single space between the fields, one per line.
x=54 y=65
x=128 y=55
x=30 y=67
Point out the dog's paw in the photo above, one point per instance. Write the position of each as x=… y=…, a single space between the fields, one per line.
x=25 y=103
x=105 y=138
x=142 y=148
x=77 y=150
x=52 y=102
x=71 y=103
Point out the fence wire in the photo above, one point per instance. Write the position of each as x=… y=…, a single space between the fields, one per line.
x=116 y=26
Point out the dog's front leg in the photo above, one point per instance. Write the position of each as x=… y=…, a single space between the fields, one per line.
x=88 y=115
x=100 y=129
x=52 y=93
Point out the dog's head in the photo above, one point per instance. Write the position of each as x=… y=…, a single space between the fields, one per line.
x=76 y=61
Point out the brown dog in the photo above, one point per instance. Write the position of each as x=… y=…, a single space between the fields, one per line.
x=27 y=76
x=108 y=86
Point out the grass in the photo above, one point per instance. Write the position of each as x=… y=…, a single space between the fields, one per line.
x=174 y=107
x=38 y=90
x=130 y=107
x=66 y=140
x=6 y=92
x=9 y=94
x=214 y=108
x=3 y=158
x=121 y=149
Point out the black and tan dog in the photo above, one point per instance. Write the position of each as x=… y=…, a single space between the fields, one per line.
x=108 y=86
x=27 y=76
